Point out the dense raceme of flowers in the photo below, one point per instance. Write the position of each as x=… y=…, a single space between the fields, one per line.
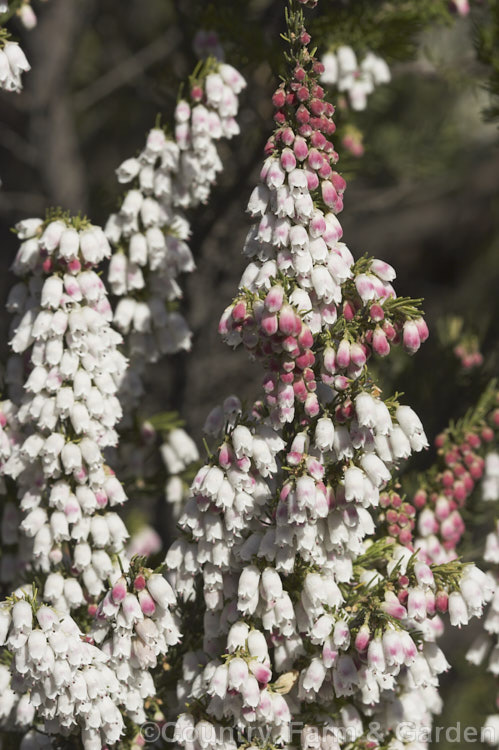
x=150 y=231
x=486 y=645
x=150 y=234
x=67 y=367
x=135 y=628
x=64 y=417
x=308 y=616
x=433 y=515
x=58 y=680
x=357 y=80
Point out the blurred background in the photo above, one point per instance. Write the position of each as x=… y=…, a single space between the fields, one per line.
x=423 y=196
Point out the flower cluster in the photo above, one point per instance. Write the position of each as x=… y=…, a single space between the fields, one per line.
x=68 y=369
x=150 y=231
x=13 y=64
x=302 y=605
x=56 y=675
x=486 y=644
x=468 y=353
x=135 y=627
x=65 y=373
x=357 y=80
x=465 y=462
x=353 y=141
x=305 y=306
x=179 y=452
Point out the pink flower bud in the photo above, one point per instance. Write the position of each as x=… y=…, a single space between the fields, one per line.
x=119 y=591
x=341 y=383
x=303 y=94
x=343 y=354
x=290 y=345
x=239 y=311
x=279 y=98
x=376 y=313
x=362 y=638
x=394 y=609
x=317 y=225
x=330 y=360
x=315 y=159
x=442 y=508
x=318 y=140
x=139 y=582
x=269 y=324
x=285 y=395
x=300 y=148
x=74 y=265
x=288 y=160
x=300 y=390
x=305 y=338
x=325 y=171
x=380 y=342
x=147 y=604
x=389 y=330
x=306 y=359
x=442 y=601
x=411 y=339
x=383 y=271
x=416 y=604
x=223 y=327
x=338 y=182
x=196 y=93
x=262 y=673
x=225 y=456
x=329 y=195
x=422 y=329
x=287 y=324
x=349 y=310
x=302 y=115
x=273 y=300
x=311 y=405
x=357 y=355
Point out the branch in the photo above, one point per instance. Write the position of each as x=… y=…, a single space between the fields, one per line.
x=20 y=148
x=127 y=70
x=52 y=123
x=22 y=203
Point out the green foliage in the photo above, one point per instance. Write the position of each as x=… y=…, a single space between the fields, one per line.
x=389 y=28
x=487 y=44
